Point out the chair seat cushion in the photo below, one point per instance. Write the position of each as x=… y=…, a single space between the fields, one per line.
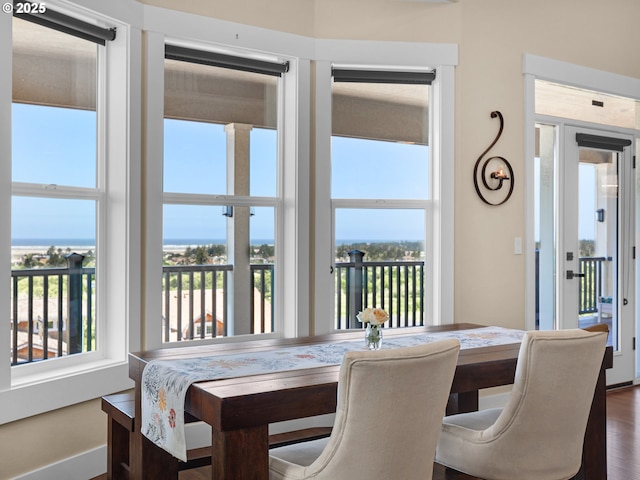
x=480 y=420
x=292 y=459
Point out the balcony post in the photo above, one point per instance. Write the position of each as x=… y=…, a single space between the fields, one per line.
x=74 y=305
x=355 y=287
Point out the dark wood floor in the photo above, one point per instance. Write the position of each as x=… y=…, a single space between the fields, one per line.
x=623 y=441
x=623 y=433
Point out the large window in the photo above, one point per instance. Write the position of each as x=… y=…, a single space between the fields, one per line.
x=221 y=200
x=68 y=171
x=57 y=193
x=380 y=191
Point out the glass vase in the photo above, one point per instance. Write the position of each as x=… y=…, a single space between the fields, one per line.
x=373 y=336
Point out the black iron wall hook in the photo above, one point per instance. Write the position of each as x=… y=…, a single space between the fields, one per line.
x=499 y=175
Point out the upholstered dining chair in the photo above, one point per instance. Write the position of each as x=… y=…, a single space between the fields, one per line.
x=598 y=327
x=390 y=407
x=540 y=432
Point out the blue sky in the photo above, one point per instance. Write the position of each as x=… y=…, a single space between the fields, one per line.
x=57 y=146
x=43 y=153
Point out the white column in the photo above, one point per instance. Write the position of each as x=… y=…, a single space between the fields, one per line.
x=238 y=229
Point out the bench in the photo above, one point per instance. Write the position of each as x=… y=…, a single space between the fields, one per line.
x=120 y=410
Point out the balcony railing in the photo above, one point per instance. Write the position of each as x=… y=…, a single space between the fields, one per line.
x=192 y=293
x=396 y=286
x=590 y=289
x=52 y=311
x=53 y=308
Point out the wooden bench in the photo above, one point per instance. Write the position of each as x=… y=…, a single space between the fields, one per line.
x=120 y=410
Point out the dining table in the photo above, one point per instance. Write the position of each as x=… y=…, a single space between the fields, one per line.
x=240 y=408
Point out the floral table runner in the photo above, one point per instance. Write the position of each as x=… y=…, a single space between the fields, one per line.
x=165 y=382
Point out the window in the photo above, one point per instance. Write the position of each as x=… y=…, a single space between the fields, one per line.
x=379 y=193
x=56 y=194
x=221 y=187
x=69 y=163
x=383 y=184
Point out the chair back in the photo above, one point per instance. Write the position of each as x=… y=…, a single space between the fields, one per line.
x=543 y=424
x=389 y=413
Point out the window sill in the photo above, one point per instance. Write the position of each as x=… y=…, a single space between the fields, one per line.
x=34 y=394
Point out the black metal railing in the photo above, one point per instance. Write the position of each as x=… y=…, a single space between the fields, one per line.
x=53 y=308
x=262 y=313
x=396 y=286
x=196 y=300
x=52 y=311
x=590 y=289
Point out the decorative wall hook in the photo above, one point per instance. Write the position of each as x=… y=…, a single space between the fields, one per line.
x=496 y=177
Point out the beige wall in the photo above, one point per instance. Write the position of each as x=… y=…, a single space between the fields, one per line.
x=489 y=278
x=38 y=441
x=492 y=35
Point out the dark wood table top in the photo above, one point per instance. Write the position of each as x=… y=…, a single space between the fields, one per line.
x=273 y=391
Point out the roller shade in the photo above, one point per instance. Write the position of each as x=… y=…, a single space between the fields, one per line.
x=215 y=59
x=66 y=24
x=604 y=143
x=381 y=105
x=383 y=76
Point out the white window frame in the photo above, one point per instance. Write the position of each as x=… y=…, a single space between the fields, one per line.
x=221 y=200
x=292 y=205
x=55 y=383
x=439 y=207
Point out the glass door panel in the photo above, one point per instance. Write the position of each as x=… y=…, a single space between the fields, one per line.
x=584 y=236
x=598 y=239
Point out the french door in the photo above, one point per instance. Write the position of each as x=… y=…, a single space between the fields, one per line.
x=585 y=236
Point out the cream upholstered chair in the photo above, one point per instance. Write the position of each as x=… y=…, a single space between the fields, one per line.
x=390 y=408
x=539 y=433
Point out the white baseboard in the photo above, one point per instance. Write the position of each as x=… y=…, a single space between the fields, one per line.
x=85 y=465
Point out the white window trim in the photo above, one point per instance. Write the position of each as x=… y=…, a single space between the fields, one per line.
x=56 y=383
x=440 y=208
x=542 y=68
x=293 y=222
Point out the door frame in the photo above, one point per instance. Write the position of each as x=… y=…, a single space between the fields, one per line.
x=623 y=370
x=553 y=70
x=625 y=373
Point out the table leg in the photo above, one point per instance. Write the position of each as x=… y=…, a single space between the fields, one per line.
x=146 y=459
x=240 y=454
x=594 y=452
x=462 y=402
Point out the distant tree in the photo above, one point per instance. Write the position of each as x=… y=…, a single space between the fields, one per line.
x=587 y=248
x=381 y=251
x=266 y=251
x=217 y=250
x=55 y=258
x=89 y=258
x=28 y=261
x=201 y=255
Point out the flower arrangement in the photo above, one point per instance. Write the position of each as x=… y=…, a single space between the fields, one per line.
x=374 y=318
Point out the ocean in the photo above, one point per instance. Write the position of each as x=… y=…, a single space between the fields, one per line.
x=168 y=242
